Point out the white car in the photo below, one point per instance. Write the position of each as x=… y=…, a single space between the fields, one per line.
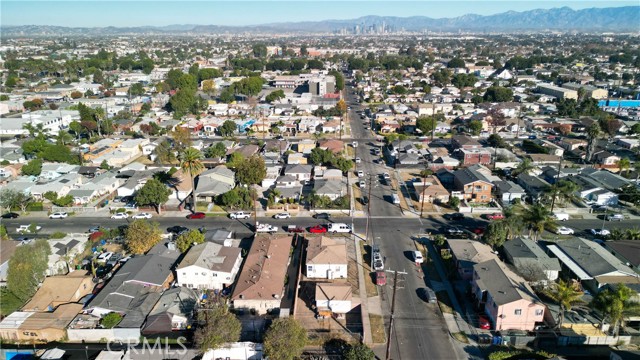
x=105 y=256
x=358 y=160
x=240 y=215
x=142 y=216
x=283 y=215
x=386 y=176
x=563 y=230
x=362 y=184
x=360 y=173
x=58 y=215
x=600 y=232
x=120 y=216
x=27 y=228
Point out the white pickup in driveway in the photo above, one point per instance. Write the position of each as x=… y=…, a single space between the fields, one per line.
x=27 y=228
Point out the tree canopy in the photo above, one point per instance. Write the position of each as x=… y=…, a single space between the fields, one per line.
x=153 y=193
x=285 y=339
x=141 y=236
x=27 y=269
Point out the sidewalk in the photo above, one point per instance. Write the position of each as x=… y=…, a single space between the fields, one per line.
x=364 y=301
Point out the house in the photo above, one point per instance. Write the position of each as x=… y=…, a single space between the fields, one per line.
x=550 y=174
x=260 y=285
x=570 y=144
x=505 y=297
x=533 y=185
x=173 y=312
x=556 y=91
x=473 y=184
x=39 y=327
x=430 y=190
x=408 y=159
x=58 y=290
x=628 y=251
x=473 y=156
x=214 y=182
x=300 y=172
x=467 y=253
x=592 y=264
x=273 y=172
x=508 y=191
x=305 y=146
x=628 y=143
x=446 y=177
x=333 y=299
x=326 y=258
x=6 y=252
x=333 y=145
x=297 y=158
x=530 y=260
x=288 y=187
x=209 y=266
x=330 y=187
x=464 y=142
x=63 y=251
x=606 y=179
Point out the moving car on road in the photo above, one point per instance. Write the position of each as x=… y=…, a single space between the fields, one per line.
x=177 y=229
x=120 y=216
x=10 y=215
x=282 y=215
x=197 y=215
x=58 y=215
x=428 y=295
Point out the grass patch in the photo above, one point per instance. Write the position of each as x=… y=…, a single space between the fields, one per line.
x=357 y=196
x=9 y=302
x=461 y=336
x=444 y=302
x=369 y=285
x=377 y=329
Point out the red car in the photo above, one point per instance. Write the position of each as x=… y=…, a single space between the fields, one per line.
x=484 y=323
x=381 y=278
x=318 y=229
x=479 y=230
x=495 y=216
x=196 y=215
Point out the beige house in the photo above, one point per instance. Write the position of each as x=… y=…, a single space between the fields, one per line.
x=431 y=190
x=58 y=290
x=260 y=285
x=326 y=258
x=39 y=327
x=333 y=299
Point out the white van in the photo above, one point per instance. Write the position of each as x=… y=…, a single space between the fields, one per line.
x=417 y=257
x=339 y=228
x=561 y=216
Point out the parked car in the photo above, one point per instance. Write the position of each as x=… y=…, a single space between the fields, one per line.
x=94 y=229
x=365 y=200
x=386 y=176
x=417 y=257
x=325 y=216
x=295 y=229
x=600 y=232
x=358 y=160
x=142 y=216
x=381 y=278
x=58 y=215
x=614 y=217
x=479 y=230
x=104 y=257
x=599 y=209
x=197 y=215
x=318 y=229
x=339 y=228
x=454 y=230
x=484 y=323
x=360 y=173
x=495 y=216
x=266 y=228
x=10 y=215
x=282 y=215
x=177 y=229
x=27 y=228
x=561 y=216
x=120 y=216
x=454 y=216
x=240 y=215
x=362 y=184
x=563 y=230
x=428 y=295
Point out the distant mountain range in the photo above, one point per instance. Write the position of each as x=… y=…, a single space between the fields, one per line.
x=614 y=19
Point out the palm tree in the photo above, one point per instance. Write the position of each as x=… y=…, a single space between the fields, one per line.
x=524 y=167
x=624 y=164
x=190 y=161
x=615 y=305
x=593 y=131
x=566 y=294
x=632 y=234
x=512 y=222
x=537 y=217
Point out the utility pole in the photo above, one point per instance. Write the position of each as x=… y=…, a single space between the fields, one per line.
x=393 y=308
x=366 y=232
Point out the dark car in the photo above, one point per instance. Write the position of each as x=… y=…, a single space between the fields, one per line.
x=365 y=200
x=10 y=215
x=197 y=215
x=599 y=209
x=454 y=216
x=428 y=295
x=325 y=216
x=177 y=229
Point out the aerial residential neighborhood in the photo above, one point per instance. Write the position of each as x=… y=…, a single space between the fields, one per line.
x=378 y=188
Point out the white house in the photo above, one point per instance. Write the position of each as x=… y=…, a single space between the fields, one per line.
x=333 y=298
x=209 y=266
x=326 y=258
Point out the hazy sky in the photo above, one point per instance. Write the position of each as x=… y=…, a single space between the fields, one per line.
x=98 y=13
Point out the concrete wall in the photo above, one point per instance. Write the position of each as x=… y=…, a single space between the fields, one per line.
x=77 y=335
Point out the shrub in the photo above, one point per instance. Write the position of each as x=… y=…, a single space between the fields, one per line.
x=57 y=235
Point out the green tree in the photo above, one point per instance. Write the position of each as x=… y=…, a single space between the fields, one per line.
x=624 y=164
x=104 y=165
x=110 y=320
x=593 y=132
x=216 y=151
x=426 y=124
x=27 y=269
x=496 y=234
x=456 y=63
x=10 y=199
x=164 y=153
x=524 y=167
x=359 y=352
x=498 y=94
x=475 y=126
x=32 y=168
x=616 y=305
x=319 y=156
x=565 y=294
x=141 y=236
x=153 y=193
x=496 y=140
x=191 y=162
x=186 y=240
x=227 y=95
x=339 y=79
x=221 y=327
x=285 y=339
x=227 y=128
x=454 y=202
x=275 y=95
x=251 y=171
x=536 y=217
x=343 y=164
x=136 y=89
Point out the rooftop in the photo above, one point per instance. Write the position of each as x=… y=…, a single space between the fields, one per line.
x=211 y=256
x=326 y=250
x=503 y=284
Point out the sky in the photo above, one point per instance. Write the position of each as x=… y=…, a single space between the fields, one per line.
x=122 y=13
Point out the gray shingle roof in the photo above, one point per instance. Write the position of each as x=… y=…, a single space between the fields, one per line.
x=592 y=257
x=503 y=285
x=524 y=250
x=471 y=174
x=212 y=256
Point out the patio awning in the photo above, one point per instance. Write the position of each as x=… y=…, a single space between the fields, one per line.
x=575 y=268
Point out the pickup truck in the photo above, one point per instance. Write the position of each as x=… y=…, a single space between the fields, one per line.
x=26 y=228
x=240 y=215
x=266 y=228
